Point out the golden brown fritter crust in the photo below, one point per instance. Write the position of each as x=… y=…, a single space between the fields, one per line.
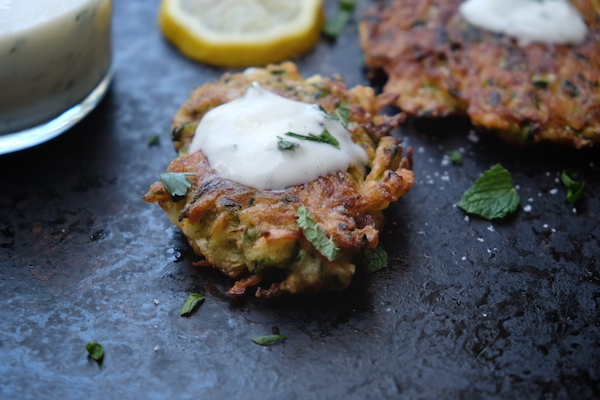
x=253 y=234
x=438 y=64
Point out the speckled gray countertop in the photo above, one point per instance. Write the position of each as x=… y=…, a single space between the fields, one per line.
x=466 y=309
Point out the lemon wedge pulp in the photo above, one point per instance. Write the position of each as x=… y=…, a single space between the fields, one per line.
x=241 y=33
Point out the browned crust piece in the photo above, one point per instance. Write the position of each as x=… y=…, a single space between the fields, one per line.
x=438 y=64
x=249 y=233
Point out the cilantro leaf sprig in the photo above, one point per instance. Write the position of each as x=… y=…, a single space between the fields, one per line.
x=574 y=186
x=492 y=196
x=324 y=137
x=315 y=235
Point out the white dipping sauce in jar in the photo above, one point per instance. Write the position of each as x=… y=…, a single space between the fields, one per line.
x=53 y=55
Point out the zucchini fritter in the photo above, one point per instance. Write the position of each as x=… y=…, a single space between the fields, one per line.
x=439 y=64
x=253 y=234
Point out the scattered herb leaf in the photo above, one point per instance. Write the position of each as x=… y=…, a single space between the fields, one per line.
x=373 y=261
x=176 y=183
x=324 y=137
x=154 y=140
x=574 y=186
x=335 y=25
x=492 y=195
x=455 y=156
x=190 y=304
x=269 y=339
x=341 y=114
x=315 y=235
x=283 y=144
x=95 y=350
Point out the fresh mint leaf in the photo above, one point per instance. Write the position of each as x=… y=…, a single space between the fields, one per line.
x=269 y=339
x=315 y=235
x=283 y=144
x=324 y=137
x=574 y=186
x=335 y=25
x=373 y=261
x=455 y=157
x=190 y=304
x=176 y=183
x=95 y=350
x=154 y=140
x=492 y=196
x=341 y=114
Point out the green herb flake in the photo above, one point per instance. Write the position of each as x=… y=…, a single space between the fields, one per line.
x=341 y=114
x=176 y=183
x=335 y=25
x=190 y=304
x=455 y=157
x=373 y=261
x=95 y=351
x=283 y=144
x=492 y=196
x=154 y=140
x=324 y=137
x=315 y=235
x=574 y=186
x=269 y=339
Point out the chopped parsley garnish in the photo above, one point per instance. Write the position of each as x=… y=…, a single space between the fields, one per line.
x=334 y=26
x=96 y=351
x=455 y=156
x=324 y=137
x=492 y=196
x=283 y=144
x=176 y=183
x=573 y=184
x=373 y=261
x=190 y=304
x=341 y=114
x=315 y=235
x=269 y=339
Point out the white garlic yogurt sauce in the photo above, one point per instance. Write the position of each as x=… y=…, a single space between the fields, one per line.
x=241 y=141
x=545 y=21
x=53 y=53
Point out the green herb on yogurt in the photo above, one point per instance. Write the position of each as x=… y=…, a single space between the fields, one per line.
x=373 y=260
x=176 y=183
x=190 y=304
x=492 y=196
x=283 y=144
x=335 y=25
x=455 y=157
x=269 y=339
x=574 y=186
x=341 y=114
x=315 y=235
x=95 y=351
x=324 y=137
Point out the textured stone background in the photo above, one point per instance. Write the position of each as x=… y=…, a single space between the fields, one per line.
x=467 y=308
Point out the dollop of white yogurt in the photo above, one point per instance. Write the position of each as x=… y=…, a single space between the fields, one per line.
x=545 y=21
x=241 y=140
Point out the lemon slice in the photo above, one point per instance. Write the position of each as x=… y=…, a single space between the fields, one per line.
x=241 y=33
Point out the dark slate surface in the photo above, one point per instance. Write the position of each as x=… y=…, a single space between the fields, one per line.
x=466 y=309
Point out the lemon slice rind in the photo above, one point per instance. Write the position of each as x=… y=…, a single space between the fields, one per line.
x=277 y=42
